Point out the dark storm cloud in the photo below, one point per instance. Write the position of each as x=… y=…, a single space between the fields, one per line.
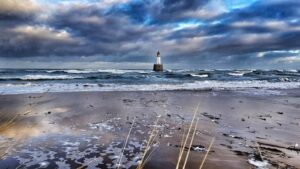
x=264 y=26
x=15 y=12
x=189 y=32
x=78 y=31
x=16 y=9
x=94 y=25
x=102 y=34
x=35 y=41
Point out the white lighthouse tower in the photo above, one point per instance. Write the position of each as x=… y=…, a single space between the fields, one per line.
x=158 y=67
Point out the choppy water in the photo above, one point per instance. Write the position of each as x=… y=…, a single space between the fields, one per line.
x=13 y=81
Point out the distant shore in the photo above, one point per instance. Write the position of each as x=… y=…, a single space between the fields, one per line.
x=77 y=129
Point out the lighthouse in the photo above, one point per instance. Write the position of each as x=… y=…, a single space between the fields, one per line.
x=158 y=67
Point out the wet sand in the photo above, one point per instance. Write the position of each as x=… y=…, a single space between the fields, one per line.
x=89 y=129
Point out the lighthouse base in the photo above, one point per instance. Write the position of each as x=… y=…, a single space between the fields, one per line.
x=158 y=67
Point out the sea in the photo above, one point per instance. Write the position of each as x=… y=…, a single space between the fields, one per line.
x=24 y=81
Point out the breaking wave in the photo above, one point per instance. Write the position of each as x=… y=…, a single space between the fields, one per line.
x=39 y=77
x=13 y=80
x=86 y=71
x=202 y=85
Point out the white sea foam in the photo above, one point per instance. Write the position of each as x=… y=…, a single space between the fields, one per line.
x=293 y=70
x=259 y=164
x=199 y=75
x=73 y=144
x=51 y=71
x=199 y=85
x=47 y=77
x=40 y=77
x=239 y=72
x=44 y=164
x=118 y=71
x=80 y=71
x=83 y=71
x=236 y=74
x=73 y=71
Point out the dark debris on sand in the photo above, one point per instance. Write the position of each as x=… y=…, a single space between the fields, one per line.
x=212 y=117
x=196 y=148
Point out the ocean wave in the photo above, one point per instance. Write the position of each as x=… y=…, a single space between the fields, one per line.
x=199 y=85
x=203 y=85
x=86 y=71
x=118 y=71
x=80 y=71
x=73 y=71
x=47 y=77
x=39 y=77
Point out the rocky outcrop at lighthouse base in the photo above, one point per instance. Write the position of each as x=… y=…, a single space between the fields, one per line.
x=158 y=67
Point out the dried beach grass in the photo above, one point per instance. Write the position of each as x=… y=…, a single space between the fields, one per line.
x=208 y=150
x=187 y=137
x=125 y=144
x=190 y=146
x=149 y=143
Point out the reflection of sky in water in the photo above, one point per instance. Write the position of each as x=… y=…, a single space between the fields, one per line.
x=35 y=125
x=68 y=138
x=59 y=133
x=48 y=145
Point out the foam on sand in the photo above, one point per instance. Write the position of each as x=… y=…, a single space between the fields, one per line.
x=259 y=164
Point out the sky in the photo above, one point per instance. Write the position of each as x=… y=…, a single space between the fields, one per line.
x=126 y=34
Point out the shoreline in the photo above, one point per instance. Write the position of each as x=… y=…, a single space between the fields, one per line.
x=263 y=91
x=85 y=126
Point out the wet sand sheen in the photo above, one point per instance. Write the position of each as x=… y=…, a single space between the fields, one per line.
x=89 y=129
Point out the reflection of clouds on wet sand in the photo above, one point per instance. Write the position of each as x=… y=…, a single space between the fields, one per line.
x=21 y=130
x=60 y=109
x=90 y=131
x=40 y=143
x=35 y=125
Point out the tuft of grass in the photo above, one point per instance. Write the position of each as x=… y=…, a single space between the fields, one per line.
x=187 y=137
x=259 y=151
x=181 y=148
x=6 y=151
x=149 y=143
x=149 y=157
x=190 y=146
x=208 y=150
x=8 y=123
x=125 y=144
x=122 y=152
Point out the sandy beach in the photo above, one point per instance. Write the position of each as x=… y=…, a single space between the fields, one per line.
x=90 y=129
x=149 y=84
